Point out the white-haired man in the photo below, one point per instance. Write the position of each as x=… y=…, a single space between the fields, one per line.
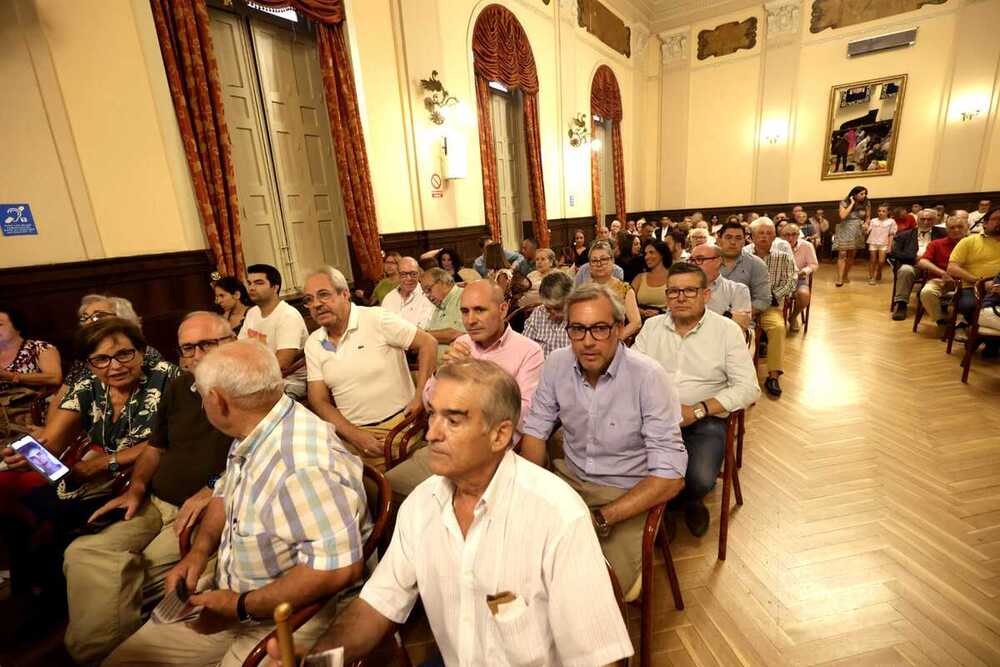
x=779 y=244
x=408 y=300
x=169 y=488
x=934 y=264
x=781 y=273
x=359 y=379
x=487 y=524
x=270 y=518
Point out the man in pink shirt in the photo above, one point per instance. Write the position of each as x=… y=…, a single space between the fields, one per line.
x=488 y=337
x=806 y=263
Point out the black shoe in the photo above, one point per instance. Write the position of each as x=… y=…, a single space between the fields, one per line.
x=772 y=387
x=991 y=351
x=696 y=517
x=899 y=311
x=941 y=322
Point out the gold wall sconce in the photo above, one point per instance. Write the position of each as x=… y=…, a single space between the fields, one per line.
x=579 y=134
x=438 y=100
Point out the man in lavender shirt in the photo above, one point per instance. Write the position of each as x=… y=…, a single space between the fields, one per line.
x=621 y=417
x=484 y=313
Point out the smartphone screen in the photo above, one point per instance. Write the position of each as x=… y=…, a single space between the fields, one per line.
x=40 y=459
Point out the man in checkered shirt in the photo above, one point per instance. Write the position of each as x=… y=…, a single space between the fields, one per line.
x=545 y=325
x=289 y=518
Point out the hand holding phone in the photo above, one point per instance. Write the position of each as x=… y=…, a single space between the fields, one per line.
x=38 y=457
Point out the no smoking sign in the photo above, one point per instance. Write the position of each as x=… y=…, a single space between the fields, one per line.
x=436 y=190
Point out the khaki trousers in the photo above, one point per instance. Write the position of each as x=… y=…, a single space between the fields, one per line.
x=407 y=475
x=773 y=323
x=623 y=547
x=177 y=644
x=107 y=574
x=930 y=297
x=380 y=430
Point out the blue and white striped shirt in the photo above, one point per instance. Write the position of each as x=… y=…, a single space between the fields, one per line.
x=293 y=495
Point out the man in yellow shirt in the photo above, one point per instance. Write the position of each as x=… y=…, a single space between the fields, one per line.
x=976 y=257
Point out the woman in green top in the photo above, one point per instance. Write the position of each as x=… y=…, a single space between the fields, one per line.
x=390 y=266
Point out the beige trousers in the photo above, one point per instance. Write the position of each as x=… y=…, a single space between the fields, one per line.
x=623 y=547
x=773 y=323
x=407 y=475
x=177 y=644
x=930 y=297
x=380 y=430
x=107 y=575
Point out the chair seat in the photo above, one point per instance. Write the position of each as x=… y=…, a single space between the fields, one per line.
x=988 y=331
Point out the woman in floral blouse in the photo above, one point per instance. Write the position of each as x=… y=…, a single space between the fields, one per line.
x=115 y=406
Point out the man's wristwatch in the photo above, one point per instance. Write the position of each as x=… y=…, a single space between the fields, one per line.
x=241 y=609
x=700 y=410
x=113 y=464
x=601 y=524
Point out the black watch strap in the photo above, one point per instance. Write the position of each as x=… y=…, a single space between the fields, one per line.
x=241 y=608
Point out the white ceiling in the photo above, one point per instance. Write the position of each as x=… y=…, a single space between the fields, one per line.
x=662 y=15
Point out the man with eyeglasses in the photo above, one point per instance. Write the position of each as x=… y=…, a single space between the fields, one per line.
x=359 y=379
x=110 y=572
x=708 y=360
x=446 y=321
x=622 y=445
x=546 y=325
x=727 y=297
x=408 y=300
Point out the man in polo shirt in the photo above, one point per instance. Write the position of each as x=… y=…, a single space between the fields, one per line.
x=289 y=518
x=781 y=275
x=740 y=267
x=359 y=379
x=446 y=321
x=725 y=297
x=408 y=300
x=974 y=258
x=484 y=311
x=934 y=264
x=276 y=324
x=714 y=375
x=107 y=572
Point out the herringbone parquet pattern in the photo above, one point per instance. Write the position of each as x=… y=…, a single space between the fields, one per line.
x=870 y=533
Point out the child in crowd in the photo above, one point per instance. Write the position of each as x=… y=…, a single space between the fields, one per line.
x=881 y=230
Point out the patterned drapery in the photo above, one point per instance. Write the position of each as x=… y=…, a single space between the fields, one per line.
x=606 y=102
x=345 y=127
x=182 y=28
x=501 y=52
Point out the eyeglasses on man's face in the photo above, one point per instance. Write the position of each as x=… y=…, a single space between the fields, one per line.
x=704 y=258
x=324 y=295
x=688 y=292
x=187 y=349
x=408 y=274
x=104 y=360
x=599 y=331
x=94 y=316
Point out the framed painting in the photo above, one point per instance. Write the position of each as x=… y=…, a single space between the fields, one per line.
x=862 y=128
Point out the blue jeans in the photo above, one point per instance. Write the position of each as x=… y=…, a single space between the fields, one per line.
x=705 y=441
x=966 y=302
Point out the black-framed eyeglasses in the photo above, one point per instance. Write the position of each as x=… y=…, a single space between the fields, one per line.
x=600 y=260
x=701 y=260
x=688 y=292
x=94 y=316
x=187 y=349
x=599 y=331
x=104 y=360
x=408 y=274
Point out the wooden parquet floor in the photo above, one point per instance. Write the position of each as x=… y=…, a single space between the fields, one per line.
x=870 y=533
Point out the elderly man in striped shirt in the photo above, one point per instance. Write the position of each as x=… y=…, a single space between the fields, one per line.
x=289 y=517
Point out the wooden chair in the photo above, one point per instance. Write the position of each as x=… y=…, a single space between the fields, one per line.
x=977 y=335
x=952 y=328
x=40 y=405
x=516 y=318
x=380 y=503
x=946 y=300
x=396 y=446
x=730 y=474
x=622 y=605
x=788 y=307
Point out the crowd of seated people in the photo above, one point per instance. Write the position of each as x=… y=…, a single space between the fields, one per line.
x=611 y=399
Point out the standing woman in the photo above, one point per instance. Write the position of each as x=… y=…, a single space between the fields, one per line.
x=601 y=265
x=651 y=286
x=580 y=254
x=232 y=299
x=850 y=233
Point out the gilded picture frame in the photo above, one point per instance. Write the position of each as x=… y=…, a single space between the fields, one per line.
x=862 y=128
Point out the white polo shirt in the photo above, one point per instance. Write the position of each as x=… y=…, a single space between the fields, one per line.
x=366 y=370
x=415 y=309
x=283 y=329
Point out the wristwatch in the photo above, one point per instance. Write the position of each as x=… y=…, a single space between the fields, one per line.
x=700 y=410
x=241 y=609
x=113 y=464
x=600 y=524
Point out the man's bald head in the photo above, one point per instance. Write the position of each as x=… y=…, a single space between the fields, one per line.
x=709 y=258
x=483 y=289
x=198 y=333
x=409 y=275
x=484 y=310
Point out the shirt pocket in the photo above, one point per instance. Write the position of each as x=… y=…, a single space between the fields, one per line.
x=519 y=636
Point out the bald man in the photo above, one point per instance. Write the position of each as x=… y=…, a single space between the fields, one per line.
x=408 y=299
x=488 y=337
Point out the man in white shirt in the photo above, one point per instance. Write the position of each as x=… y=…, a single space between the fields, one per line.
x=359 y=379
x=976 y=217
x=408 y=300
x=727 y=297
x=714 y=374
x=277 y=325
x=488 y=523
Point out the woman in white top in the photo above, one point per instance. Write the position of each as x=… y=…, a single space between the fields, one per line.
x=545 y=263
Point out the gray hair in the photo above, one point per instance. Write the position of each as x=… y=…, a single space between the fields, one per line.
x=439 y=275
x=122 y=307
x=600 y=245
x=554 y=288
x=246 y=372
x=409 y=259
x=762 y=221
x=222 y=324
x=547 y=252
x=499 y=395
x=929 y=211
x=335 y=277
x=591 y=291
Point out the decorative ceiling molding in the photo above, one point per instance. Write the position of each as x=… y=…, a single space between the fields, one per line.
x=728 y=38
x=674 y=49
x=783 y=18
x=639 y=38
x=569 y=10
x=669 y=14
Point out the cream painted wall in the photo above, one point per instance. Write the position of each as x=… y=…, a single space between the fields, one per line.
x=784 y=84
